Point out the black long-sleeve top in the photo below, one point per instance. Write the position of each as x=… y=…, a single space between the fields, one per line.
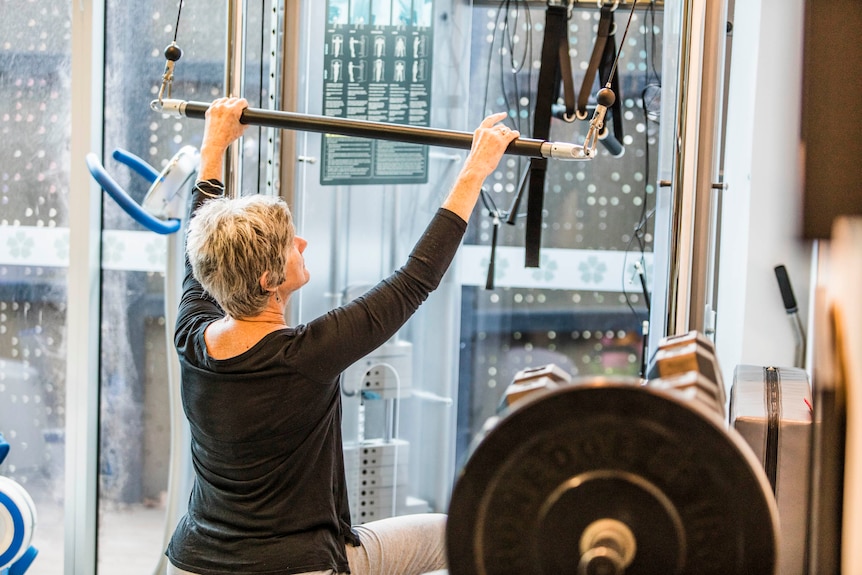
x=270 y=492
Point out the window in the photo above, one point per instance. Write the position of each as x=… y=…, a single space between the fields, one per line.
x=583 y=307
x=34 y=255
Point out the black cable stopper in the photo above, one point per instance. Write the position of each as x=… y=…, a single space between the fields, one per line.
x=173 y=52
x=606 y=97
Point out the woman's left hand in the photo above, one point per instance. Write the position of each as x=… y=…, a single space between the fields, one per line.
x=490 y=141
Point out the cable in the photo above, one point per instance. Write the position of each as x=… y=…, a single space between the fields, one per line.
x=496 y=215
x=508 y=30
x=652 y=35
x=651 y=79
x=177 y=27
x=622 y=42
x=519 y=194
x=507 y=33
x=172 y=55
x=640 y=226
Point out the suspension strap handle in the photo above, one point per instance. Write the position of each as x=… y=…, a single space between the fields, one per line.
x=606 y=21
x=556 y=32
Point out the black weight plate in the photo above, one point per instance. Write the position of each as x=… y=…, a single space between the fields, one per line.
x=691 y=492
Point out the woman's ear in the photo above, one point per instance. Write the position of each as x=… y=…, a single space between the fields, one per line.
x=264 y=281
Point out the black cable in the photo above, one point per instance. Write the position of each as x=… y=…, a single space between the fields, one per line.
x=506 y=30
x=488 y=201
x=485 y=109
x=510 y=67
x=510 y=31
x=512 y=214
x=519 y=194
x=651 y=12
x=495 y=214
x=172 y=55
x=642 y=220
x=654 y=115
x=651 y=79
x=502 y=59
x=641 y=249
x=177 y=27
x=622 y=43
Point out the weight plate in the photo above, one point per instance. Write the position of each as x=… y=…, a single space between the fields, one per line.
x=690 y=491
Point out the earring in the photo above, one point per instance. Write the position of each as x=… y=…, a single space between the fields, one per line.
x=278 y=299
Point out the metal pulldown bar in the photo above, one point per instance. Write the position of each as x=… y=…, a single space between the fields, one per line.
x=378 y=130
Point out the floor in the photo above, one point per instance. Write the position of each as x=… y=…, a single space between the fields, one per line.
x=130 y=541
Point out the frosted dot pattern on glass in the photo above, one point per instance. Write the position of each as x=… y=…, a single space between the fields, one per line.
x=34 y=119
x=588 y=205
x=32 y=389
x=34 y=194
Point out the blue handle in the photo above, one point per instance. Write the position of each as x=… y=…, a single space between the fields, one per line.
x=23 y=563
x=4 y=448
x=126 y=202
x=138 y=164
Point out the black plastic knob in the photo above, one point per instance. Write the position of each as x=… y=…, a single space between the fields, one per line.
x=173 y=53
x=606 y=97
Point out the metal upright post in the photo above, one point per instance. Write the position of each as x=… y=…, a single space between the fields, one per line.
x=82 y=319
x=234 y=85
x=708 y=172
x=692 y=239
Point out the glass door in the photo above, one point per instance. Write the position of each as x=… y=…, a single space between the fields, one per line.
x=361 y=205
x=138 y=507
x=583 y=308
x=35 y=125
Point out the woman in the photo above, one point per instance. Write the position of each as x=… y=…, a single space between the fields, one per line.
x=262 y=398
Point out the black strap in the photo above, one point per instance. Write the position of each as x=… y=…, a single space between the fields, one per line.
x=606 y=21
x=772 y=399
x=492 y=265
x=556 y=34
x=535 y=205
x=615 y=113
x=565 y=68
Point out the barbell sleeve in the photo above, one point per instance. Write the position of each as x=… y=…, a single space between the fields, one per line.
x=375 y=130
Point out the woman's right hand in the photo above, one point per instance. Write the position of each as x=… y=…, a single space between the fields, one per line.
x=222 y=127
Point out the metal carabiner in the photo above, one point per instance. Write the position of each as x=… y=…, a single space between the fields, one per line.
x=616 y=4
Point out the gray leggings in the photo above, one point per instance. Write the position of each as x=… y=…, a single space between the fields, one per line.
x=406 y=545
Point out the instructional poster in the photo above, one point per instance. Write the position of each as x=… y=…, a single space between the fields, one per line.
x=377 y=66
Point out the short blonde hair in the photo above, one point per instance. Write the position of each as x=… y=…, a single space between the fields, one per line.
x=231 y=242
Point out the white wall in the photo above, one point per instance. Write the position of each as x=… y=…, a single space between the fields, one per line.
x=761 y=204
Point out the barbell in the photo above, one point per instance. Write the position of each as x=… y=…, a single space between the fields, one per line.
x=615 y=475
